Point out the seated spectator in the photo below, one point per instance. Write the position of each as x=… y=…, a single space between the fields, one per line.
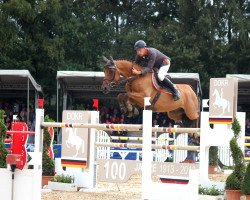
x=8 y=123
x=164 y=123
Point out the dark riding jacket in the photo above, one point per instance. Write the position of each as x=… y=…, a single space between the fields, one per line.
x=155 y=60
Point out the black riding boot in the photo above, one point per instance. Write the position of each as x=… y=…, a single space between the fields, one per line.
x=172 y=87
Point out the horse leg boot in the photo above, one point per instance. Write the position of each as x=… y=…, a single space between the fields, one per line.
x=172 y=87
x=132 y=110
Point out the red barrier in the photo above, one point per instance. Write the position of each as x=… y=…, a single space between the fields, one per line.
x=18 y=144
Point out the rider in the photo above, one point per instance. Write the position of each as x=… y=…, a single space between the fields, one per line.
x=157 y=61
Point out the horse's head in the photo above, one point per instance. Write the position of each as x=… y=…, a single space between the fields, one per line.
x=111 y=74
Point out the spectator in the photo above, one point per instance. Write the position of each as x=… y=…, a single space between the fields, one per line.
x=23 y=113
x=164 y=123
x=8 y=123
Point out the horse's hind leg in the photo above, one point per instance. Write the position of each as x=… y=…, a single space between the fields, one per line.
x=176 y=115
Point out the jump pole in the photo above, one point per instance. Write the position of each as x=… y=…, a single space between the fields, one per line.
x=120 y=127
x=154 y=146
x=124 y=138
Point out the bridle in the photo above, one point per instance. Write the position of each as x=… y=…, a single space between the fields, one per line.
x=110 y=82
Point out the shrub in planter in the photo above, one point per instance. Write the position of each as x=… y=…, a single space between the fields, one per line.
x=63 y=183
x=48 y=168
x=48 y=163
x=213 y=160
x=3 y=150
x=63 y=178
x=245 y=187
x=212 y=191
x=235 y=179
x=213 y=156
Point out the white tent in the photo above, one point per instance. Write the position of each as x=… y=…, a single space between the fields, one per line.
x=19 y=84
x=243 y=88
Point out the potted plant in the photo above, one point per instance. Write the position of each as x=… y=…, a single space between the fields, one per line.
x=62 y=182
x=234 y=180
x=213 y=160
x=3 y=150
x=245 y=187
x=48 y=163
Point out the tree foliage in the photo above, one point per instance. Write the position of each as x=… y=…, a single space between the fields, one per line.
x=47 y=36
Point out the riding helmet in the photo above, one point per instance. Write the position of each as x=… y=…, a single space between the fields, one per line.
x=140 y=44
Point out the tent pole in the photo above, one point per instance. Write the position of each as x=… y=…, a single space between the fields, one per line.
x=28 y=100
x=57 y=111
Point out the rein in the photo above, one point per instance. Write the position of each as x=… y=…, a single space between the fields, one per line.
x=130 y=78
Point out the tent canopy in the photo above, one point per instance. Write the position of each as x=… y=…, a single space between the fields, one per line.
x=243 y=88
x=19 y=84
x=15 y=81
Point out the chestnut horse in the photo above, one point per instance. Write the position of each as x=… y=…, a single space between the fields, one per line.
x=184 y=110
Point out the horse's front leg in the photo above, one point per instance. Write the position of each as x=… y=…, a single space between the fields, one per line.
x=131 y=106
x=121 y=100
x=126 y=105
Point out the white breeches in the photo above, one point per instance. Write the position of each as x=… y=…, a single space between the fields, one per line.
x=163 y=72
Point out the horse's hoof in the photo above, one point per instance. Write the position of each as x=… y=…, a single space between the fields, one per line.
x=179 y=123
x=124 y=111
x=130 y=114
x=136 y=112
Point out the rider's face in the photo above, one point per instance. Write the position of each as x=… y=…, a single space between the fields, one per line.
x=141 y=52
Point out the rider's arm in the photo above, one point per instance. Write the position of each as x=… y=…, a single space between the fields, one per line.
x=151 y=63
x=167 y=60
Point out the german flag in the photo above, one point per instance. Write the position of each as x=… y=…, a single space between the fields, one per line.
x=215 y=120
x=74 y=163
x=174 y=181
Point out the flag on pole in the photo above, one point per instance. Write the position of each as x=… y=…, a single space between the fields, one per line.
x=95 y=103
x=40 y=103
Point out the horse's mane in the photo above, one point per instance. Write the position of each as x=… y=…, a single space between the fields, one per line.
x=132 y=62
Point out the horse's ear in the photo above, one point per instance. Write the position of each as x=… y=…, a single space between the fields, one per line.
x=105 y=59
x=111 y=58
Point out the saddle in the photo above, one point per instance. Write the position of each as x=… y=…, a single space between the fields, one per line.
x=160 y=88
x=158 y=85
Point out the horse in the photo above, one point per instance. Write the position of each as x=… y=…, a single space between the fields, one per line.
x=185 y=110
